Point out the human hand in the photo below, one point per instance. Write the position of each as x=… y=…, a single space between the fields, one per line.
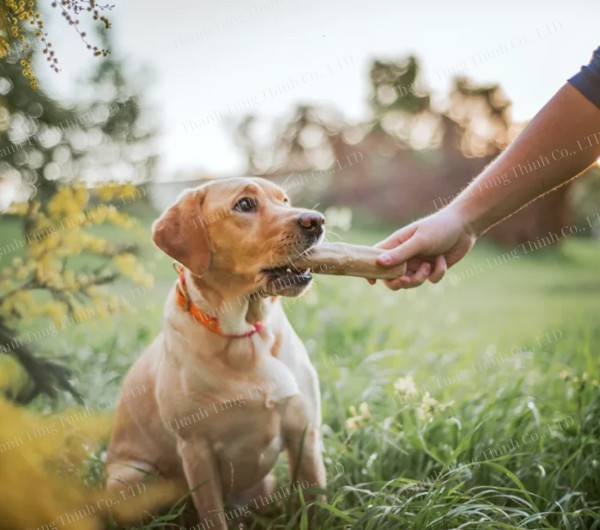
x=429 y=247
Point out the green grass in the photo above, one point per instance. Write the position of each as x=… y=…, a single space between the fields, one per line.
x=508 y=351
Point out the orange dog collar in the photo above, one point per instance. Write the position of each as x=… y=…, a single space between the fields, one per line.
x=211 y=323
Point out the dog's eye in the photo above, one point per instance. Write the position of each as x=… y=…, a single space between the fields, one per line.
x=286 y=201
x=246 y=204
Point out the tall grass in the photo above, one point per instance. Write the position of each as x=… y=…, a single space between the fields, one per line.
x=474 y=403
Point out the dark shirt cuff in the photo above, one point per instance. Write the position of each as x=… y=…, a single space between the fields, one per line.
x=587 y=81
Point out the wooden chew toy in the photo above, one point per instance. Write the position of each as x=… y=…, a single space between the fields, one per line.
x=344 y=259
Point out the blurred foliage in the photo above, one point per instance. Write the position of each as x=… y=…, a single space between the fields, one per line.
x=107 y=137
x=407 y=157
x=50 y=156
x=21 y=25
x=44 y=281
x=33 y=444
x=66 y=176
x=301 y=142
x=119 y=139
x=452 y=389
x=483 y=113
x=394 y=86
x=475 y=123
x=53 y=466
x=297 y=143
x=586 y=201
x=400 y=103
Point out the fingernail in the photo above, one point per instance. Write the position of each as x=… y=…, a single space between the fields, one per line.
x=385 y=258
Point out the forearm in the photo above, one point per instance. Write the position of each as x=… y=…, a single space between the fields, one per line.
x=560 y=142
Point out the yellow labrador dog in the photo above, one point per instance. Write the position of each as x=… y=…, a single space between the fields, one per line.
x=229 y=384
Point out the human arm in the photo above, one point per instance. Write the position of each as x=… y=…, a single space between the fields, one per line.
x=564 y=140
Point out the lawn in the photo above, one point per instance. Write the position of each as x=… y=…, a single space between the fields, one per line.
x=473 y=403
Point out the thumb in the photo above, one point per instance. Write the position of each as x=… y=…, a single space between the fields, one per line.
x=401 y=253
x=399 y=236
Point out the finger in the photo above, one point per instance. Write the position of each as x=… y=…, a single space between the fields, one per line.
x=420 y=276
x=401 y=253
x=412 y=266
x=439 y=269
x=398 y=237
x=397 y=283
x=371 y=281
x=401 y=282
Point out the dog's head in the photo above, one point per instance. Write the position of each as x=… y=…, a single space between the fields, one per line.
x=241 y=229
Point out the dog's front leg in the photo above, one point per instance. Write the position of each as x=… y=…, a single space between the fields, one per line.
x=203 y=478
x=303 y=445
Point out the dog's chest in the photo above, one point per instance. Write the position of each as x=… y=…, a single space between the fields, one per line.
x=236 y=400
x=248 y=444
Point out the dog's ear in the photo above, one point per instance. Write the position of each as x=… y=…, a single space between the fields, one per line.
x=180 y=232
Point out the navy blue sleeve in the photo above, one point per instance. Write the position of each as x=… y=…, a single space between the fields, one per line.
x=587 y=80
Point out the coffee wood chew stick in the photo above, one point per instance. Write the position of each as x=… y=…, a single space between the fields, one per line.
x=344 y=259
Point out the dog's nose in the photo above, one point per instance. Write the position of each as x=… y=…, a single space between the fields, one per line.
x=312 y=222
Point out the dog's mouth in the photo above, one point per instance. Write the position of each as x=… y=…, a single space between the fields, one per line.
x=285 y=277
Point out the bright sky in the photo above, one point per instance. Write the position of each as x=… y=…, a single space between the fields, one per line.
x=216 y=60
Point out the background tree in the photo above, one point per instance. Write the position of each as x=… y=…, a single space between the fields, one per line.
x=299 y=142
x=22 y=26
x=406 y=158
x=49 y=156
x=400 y=102
x=121 y=130
x=483 y=116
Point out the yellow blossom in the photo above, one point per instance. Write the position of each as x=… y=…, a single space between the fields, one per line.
x=57 y=232
x=18 y=208
x=13 y=376
x=363 y=408
x=125 y=263
x=120 y=219
x=57 y=311
x=405 y=386
x=63 y=204
x=70 y=280
x=106 y=192
x=20 y=304
x=430 y=407
x=146 y=280
x=358 y=418
x=81 y=196
x=129 y=267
